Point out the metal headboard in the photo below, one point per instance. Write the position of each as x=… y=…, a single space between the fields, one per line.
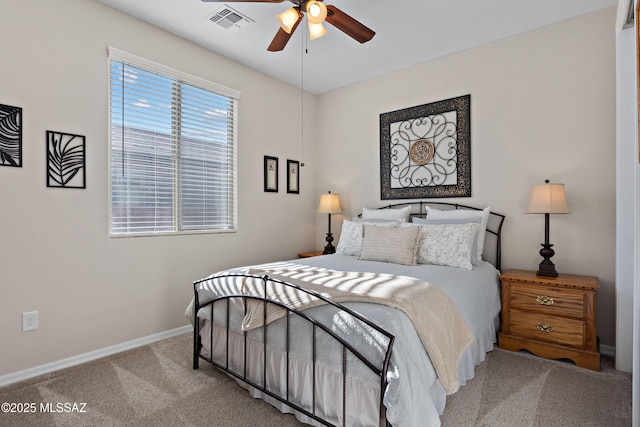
x=494 y=227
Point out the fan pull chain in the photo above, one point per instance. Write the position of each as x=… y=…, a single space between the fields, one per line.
x=305 y=44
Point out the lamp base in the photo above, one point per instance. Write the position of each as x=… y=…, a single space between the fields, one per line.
x=546 y=267
x=329 y=249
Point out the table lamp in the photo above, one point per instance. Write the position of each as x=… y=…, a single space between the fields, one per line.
x=329 y=204
x=547 y=199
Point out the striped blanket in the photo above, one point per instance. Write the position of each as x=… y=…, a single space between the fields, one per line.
x=441 y=328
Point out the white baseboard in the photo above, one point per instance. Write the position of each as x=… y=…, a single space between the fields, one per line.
x=608 y=350
x=93 y=355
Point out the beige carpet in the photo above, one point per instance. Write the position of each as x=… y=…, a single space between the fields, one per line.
x=519 y=389
x=155 y=386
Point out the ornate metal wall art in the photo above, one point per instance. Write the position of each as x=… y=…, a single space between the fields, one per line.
x=65 y=160
x=10 y=136
x=425 y=151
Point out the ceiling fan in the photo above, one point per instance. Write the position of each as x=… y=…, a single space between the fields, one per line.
x=317 y=12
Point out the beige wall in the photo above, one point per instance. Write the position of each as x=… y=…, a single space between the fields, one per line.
x=542 y=107
x=55 y=254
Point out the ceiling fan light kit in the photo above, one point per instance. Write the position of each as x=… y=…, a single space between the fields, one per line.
x=288 y=19
x=316 y=31
x=317 y=13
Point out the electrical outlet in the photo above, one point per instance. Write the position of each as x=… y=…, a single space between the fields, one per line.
x=29 y=321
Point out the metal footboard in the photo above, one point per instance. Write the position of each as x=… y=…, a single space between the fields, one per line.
x=379 y=368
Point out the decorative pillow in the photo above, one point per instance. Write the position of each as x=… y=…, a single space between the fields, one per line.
x=401 y=213
x=447 y=244
x=474 y=246
x=350 y=241
x=375 y=220
x=390 y=244
x=466 y=214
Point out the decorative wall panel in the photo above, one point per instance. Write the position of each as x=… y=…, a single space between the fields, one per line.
x=10 y=136
x=65 y=160
x=425 y=151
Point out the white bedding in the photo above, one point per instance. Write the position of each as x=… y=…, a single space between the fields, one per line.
x=414 y=395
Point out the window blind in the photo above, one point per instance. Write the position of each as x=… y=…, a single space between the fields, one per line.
x=172 y=153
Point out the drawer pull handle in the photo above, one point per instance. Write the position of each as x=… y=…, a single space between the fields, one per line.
x=545 y=300
x=543 y=327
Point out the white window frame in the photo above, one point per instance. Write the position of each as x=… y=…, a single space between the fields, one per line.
x=234 y=95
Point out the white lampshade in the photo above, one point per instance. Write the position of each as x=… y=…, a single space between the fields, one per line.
x=547 y=198
x=329 y=204
x=316 y=12
x=288 y=19
x=316 y=31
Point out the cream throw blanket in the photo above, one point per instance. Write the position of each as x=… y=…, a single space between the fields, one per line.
x=440 y=326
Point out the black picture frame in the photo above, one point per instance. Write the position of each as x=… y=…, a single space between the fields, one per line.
x=293 y=176
x=10 y=136
x=66 y=160
x=270 y=174
x=425 y=151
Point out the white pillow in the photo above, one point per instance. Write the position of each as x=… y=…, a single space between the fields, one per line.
x=464 y=214
x=401 y=213
x=350 y=241
x=390 y=244
x=374 y=220
x=447 y=244
x=474 y=246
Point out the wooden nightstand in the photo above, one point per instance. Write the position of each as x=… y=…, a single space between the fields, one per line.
x=309 y=254
x=550 y=317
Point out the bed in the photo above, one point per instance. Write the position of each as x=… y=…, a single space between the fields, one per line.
x=368 y=336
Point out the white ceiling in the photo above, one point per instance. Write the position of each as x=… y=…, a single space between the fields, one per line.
x=408 y=32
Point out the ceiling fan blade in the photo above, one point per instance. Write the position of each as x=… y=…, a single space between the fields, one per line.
x=348 y=25
x=279 y=41
x=282 y=37
x=243 y=1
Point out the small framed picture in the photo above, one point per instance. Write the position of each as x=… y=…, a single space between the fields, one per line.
x=293 y=176
x=270 y=174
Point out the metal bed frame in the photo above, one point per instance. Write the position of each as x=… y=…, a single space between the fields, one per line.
x=380 y=369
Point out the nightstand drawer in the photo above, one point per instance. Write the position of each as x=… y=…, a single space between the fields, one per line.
x=551 y=329
x=547 y=300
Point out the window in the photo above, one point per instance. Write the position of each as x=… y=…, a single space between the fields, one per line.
x=172 y=155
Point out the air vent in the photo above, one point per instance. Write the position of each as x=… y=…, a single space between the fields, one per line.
x=230 y=19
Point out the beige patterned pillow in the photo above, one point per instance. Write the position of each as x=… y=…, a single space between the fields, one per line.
x=350 y=241
x=390 y=244
x=447 y=244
